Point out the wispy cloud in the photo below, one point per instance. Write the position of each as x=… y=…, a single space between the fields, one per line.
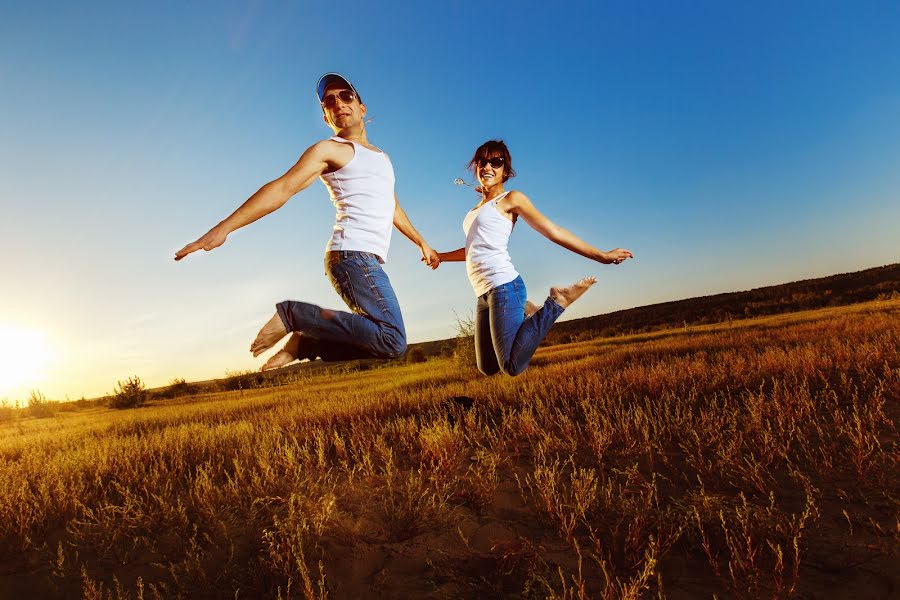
x=244 y=25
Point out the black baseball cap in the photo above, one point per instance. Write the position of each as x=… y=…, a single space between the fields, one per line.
x=333 y=79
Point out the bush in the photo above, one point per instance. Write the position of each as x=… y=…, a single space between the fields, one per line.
x=130 y=393
x=177 y=387
x=244 y=380
x=66 y=406
x=7 y=411
x=416 y=355
x=464 y=353
x=39 y=406
x=448 y=348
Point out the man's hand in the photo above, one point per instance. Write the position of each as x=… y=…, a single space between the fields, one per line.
x=615 y=257
x=429 y=256
x=214 y=238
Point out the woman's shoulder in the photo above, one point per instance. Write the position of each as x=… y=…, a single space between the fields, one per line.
x=514 y=198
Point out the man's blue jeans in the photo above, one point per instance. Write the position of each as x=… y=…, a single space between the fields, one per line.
x=504 y=339
x=373 y=330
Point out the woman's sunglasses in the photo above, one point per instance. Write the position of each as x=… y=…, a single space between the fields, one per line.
x=346 y=96
x=494 y=161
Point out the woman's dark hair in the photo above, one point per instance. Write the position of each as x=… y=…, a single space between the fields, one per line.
x=490 y=149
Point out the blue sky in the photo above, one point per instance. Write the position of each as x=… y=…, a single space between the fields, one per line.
x=728 y=146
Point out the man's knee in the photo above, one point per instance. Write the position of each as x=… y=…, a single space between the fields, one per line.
x=394 y=346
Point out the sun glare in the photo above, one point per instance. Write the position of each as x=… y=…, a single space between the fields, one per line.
x=24 y=356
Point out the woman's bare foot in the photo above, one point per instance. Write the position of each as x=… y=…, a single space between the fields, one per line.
x=285 y=356
x=567 y=295
x=268 y=336
x=530 y=308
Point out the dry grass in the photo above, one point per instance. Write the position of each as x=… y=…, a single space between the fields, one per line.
x=751 y=459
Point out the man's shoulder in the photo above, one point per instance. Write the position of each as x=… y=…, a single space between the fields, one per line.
x=329 y=143
x=328 y=148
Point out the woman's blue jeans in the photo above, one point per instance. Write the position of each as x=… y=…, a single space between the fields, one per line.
x=373 y=330
x=504 y=339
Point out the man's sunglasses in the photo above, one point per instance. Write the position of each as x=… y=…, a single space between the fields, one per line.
x=346 y=96
x=494 y=161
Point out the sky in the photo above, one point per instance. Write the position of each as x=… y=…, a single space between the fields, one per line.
x=728 y=145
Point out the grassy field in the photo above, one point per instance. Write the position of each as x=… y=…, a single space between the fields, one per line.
x=756 y=458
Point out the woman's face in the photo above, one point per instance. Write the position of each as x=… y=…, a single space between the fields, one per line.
x=490 y=171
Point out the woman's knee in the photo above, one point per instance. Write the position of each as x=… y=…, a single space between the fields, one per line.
x=512 y=369
x=486 y=367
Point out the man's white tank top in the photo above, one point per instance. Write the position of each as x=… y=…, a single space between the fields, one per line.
x=487 y=235
x=362 y=192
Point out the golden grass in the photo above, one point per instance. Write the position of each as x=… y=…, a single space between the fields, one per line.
x=748 y=459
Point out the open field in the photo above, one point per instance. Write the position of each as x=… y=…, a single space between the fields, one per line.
x=755 y=458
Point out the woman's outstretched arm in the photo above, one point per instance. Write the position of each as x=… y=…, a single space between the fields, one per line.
x=455 y=255
x=519 y=204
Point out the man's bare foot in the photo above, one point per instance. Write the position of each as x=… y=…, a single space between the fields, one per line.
x=530 y=308
x=567 y=295
x=278 y=360
x=268 y=336
x=286 y=355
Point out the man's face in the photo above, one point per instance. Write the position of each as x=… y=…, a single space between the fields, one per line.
x=342 y=109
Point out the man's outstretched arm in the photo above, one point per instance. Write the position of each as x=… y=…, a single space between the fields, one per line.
x=404 y=226
x=269 y=198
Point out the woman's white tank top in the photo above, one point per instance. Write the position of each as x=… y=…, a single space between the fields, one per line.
x=487 y=235
x=362 y=192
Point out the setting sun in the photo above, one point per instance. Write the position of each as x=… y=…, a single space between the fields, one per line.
x=24 y=356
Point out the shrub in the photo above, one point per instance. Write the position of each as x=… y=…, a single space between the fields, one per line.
x=7 y=411
x=448 y=348
x=67 y=406
x=39 y=406
x=243 y=380
x=177 y=387
x=464 y=353
x=416 y=355
x=130 y=393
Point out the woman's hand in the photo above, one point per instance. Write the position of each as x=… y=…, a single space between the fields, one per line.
x=458 y=255
x=615 y=257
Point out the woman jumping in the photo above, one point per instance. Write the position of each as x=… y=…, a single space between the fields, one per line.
x=508 y=328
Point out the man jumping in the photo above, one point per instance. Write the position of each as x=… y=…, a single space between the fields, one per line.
x=360 y=181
